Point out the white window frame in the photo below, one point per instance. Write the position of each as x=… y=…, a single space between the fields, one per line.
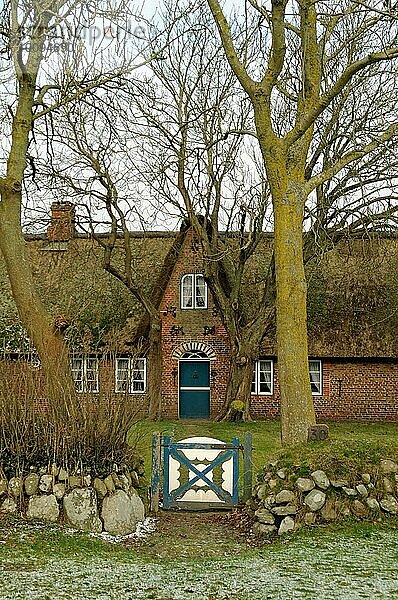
x=194 y=287
x=86 y=367
x=132 y=363
x=319 y=371
x=256 y=377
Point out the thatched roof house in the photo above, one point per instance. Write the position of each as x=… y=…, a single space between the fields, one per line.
x=352 y=315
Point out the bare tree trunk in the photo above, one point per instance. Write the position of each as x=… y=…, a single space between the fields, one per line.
x=239 y=388
x=297 y=407
x=34 y=316
x=155 y=368
x=39 y=324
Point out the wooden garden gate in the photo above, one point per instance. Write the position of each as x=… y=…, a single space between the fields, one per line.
x=199 y=473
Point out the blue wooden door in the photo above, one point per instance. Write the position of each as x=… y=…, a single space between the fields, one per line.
x=195 y=389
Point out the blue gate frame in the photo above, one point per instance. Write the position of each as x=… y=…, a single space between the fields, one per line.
x=164 y=449
x=173 y=449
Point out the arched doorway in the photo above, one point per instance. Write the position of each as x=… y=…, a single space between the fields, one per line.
x=194 y=380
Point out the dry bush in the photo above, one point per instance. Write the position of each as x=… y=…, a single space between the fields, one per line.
x=79 y=432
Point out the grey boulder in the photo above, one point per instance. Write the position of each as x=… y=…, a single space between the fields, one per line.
x=121 y=512
x=81 y=512
x=315 y=500
x=44 y=508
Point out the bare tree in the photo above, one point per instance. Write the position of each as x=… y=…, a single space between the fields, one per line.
x=191 y=149
x=90 y=162
x=186 y=135
x=45 y=65
x=294 y=59
x=193 y=156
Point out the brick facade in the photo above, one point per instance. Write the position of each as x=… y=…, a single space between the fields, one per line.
x=353 y=389
x=193 y=323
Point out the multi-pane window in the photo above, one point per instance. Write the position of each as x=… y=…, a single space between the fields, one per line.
x=193 y=291
x=130 y=375
x=263 y=378
x=316 y=377
x=262 y=383
x=85 y=373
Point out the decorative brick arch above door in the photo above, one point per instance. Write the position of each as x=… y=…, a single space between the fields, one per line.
x=195 y=347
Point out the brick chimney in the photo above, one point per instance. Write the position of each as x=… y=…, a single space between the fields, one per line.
x=62 y=226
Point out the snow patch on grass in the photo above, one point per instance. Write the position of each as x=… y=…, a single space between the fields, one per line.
x=144 y=528
x=332 y=567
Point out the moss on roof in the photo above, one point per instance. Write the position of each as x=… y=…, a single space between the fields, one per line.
x=72 y=283
x=352 y=294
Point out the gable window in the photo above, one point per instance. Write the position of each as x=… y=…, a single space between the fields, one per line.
x=130 y=375
x=85 y=374
x=263 y=378
x=193 y=291
x=316 y=377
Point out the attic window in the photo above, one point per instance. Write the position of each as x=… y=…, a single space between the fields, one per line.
x=85 y=374
x=193 y=291
x=130 y=376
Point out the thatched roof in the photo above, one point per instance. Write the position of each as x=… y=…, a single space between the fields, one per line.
x=353 y=299
x=102 y=313
x=352 y=295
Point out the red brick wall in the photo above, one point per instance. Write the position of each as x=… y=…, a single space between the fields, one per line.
x=352 y=390
x=25 y=381
x=361 y=390
x=193 y=322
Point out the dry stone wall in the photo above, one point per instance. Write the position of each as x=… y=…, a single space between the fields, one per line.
x=285 y=499
x=79 y=500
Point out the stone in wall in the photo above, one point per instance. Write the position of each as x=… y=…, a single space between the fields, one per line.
x=315 y=500
x=388 y=466
x=8 y=506
x=265 y=516
x=284 y=497
x=46 y=483
x=321 y=480
x=320 y=499
x=100 y=488
x=287 y=524
x=59 y=490
x=44 y=508
x=15 y=487
x=51 y=494
x=305 y=485
x=81 y=511
x=32 y=484
x=121 y=512
x=389 y=504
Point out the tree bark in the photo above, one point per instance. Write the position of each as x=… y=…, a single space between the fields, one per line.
x=34 y=316
x=239 y=386
x=38 y=322
x=297 y=408
x=155 y=369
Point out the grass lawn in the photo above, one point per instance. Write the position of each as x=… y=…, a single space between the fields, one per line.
x=266 y=438
x=197 y=558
